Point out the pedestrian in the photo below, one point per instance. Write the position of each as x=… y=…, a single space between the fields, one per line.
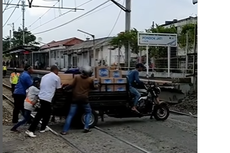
x=81 y=86
x=49 y=83
x=4 y=68
x=24 y=82
x=14 y=76
x=36 y=64
x=29 y=103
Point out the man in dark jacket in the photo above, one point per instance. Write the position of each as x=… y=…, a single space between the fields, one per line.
x=81 y=86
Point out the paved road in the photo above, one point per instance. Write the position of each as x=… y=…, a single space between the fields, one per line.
x=176 y=135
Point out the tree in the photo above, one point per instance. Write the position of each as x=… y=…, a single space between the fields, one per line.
x=17 y=39
x=125 y=38
x=189 y=30
x=158 y=52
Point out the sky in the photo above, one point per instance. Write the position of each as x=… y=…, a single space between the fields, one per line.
x=99 y=22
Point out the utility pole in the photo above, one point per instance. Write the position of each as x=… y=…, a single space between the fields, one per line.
x=23 y=26
x=10 y=39
x=94 y=48
x=23 y=22
x=127 y=29
x=127 y=10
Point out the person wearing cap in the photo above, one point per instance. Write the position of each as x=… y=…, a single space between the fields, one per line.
x=29 y=103
x=133 y=77
x=24 y=82
x=49 y=84
x=14 y=76
x=4 y=68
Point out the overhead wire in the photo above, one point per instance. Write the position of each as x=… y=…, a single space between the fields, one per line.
x=116 y=20
x=42 y=15
x=17 y=18
x=74 y=18
x=99 y=9
x=7 y=4
x=11 y=13
x=51 y=20
x=59 y=16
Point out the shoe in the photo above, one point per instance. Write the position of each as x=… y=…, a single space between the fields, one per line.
x=30 y=134
x=63 y=133
x=86 y=130
x=45 y=130
x=14 y=130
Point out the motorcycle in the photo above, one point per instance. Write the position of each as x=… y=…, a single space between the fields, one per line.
x=149 y=103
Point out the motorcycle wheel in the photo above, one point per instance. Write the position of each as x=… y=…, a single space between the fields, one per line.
x=161 y=112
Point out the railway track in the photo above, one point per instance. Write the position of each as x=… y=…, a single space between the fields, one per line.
x=140 y=149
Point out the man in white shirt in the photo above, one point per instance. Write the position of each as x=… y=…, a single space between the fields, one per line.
x=49 y=83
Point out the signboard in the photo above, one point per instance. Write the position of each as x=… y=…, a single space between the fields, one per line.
x=157 y=39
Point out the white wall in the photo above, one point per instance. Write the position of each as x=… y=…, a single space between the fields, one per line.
x=102 y=54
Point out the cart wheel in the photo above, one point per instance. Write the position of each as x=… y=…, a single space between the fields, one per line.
x=93 y=119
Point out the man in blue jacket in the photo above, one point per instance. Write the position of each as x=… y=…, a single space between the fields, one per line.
x=24 y=82
x=133 y=77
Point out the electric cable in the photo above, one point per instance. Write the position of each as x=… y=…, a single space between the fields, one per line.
x=11 y=13
x=59 y=16
x=73 y=19
x=42 y=15
x=116 y=20
x=7 y=4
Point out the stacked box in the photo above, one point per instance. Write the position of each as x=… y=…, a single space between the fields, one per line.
x=102 y=72
x=107 y=80
x=66 y=78
x=120 y=87
x=115 y=74
x=96 y=82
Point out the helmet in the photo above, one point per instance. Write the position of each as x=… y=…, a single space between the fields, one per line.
x=86 y=70
x=36 y=80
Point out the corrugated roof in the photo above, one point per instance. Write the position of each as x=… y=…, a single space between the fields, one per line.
x=89 y=43
x=65 y=42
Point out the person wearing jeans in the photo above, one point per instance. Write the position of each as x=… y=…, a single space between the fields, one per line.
x=81 y=86
x=30 y=101
x=73 y=111
x=133 y=77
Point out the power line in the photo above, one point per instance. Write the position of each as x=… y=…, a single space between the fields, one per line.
x=74 y=18
x=82 y=17
x=51 y=20
x=116 y=20
x=17 y=18
x=11 y=13
x=7 y=5
x=42 y=15
x=59 y=16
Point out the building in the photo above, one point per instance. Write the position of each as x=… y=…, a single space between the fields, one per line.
x=53 y=53
x=82 y=54
x=179 y=24
x=179 y=57
x=21 y=54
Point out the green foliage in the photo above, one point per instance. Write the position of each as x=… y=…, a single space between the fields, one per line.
x=158 y=52
x=17 y=39
x=125 y=38
x=189 y=30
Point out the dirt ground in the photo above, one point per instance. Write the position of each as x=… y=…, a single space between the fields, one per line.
x=187 y=105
